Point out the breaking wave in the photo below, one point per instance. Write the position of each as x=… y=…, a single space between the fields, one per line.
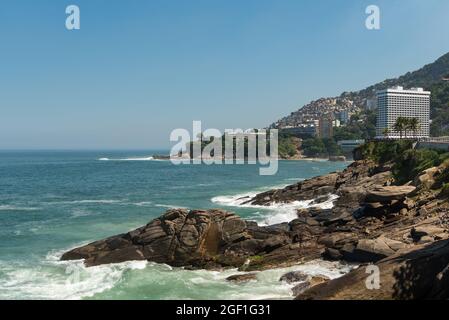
x=130 y=159
x=71 y=280
x=17 y=208
x=275 y=212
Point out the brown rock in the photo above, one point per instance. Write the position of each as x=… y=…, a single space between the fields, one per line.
x=427 y=178
x=242 y=277
x=419 y=273
x=312 y=282
x=294 y=276
x=371 y=250
x=179 y=238
x=387 y=194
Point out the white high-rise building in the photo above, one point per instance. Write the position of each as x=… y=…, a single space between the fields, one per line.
x=397 y=102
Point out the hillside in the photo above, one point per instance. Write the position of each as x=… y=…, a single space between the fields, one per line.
x=434 y=77
x=426 y=77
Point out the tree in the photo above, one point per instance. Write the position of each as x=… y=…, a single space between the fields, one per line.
x=386 y=132
x=314 y=147
x=413 y=125
x=401 y=125
x=333 y=149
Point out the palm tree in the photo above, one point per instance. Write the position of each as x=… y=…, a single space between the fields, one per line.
x=413 y=125
x=400 y=125
x=406 y=126
x=386 y=132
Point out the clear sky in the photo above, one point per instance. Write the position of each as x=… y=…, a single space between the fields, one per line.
x=138 y=69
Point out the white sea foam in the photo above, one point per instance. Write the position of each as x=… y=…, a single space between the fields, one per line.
x=143 y=204
x=130 y=159
x=67 y=281
x=77 y=213
x=89 y=201
x=17 y=208
x=277 y=212
x=294 y=179
x=55 y=279
x=265 y=286
x=169 y=206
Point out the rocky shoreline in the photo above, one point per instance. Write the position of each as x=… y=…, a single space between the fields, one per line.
x=403 y=229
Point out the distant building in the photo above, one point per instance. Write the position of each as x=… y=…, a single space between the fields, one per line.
x=397 y=102
x=326 y=126
x=301 y=130
x=347 y=146
x=371 y=104
x=344 y=116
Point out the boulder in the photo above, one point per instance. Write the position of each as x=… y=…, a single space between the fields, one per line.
x=332 y=254
x=310 y=283
x=419 y=272
x=180 y=238
x=337 y=239
x=429 y=231
x=337 y=158
x=275 y=242
x=242 y=277
x=427 y=179
x=388 y=194
x=350 y=197
x=318 y=187
x=305 y=220
x=371 y=250
x=320 y=199
x=294 y=276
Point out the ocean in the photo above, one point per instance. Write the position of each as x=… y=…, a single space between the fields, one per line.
x=52 y=201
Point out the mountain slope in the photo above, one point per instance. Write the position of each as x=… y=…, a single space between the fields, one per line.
x=434 y=77
x=425 y=77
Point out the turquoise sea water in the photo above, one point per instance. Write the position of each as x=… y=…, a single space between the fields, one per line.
x=53 y=201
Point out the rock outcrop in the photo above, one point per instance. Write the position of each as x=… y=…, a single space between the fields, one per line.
x=308 y=284
x=179 y=238
x=419 y=273
x=388 y=194
x=245 y=277
x=400 y=228
x=294 y=276
x=359 y=175
x=212 y=239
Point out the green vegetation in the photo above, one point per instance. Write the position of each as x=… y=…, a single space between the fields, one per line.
x=445 y=190
x=439 y=108
x=428 y=77
x=361 y=126
x=404 y=125
x=431 y=77
x=407 y=162
x=256 y=258
x=383 y=152
x=443 y=178
x=316 y=148
x=288 y=146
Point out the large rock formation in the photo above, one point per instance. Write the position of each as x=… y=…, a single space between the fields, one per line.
x=388 y=194
x=371 y=221
x=418 y=273
x=179 y=238
x=361 y=174
x=202 y=239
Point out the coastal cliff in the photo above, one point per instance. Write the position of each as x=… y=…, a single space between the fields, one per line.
x=377 y=217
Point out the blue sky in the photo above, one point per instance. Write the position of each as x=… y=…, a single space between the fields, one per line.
x=138 y=69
